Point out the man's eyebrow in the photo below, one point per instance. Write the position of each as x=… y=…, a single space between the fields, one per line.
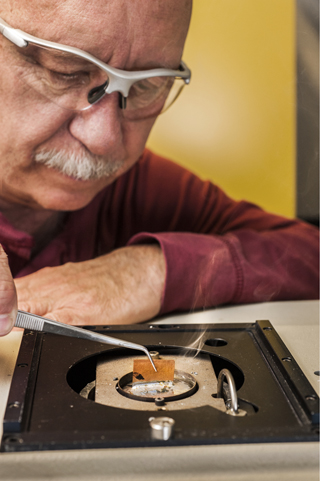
x=33 y=48
x=59 y=55
x=55 y=55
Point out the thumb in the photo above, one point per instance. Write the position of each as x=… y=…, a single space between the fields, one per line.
x=8 y=296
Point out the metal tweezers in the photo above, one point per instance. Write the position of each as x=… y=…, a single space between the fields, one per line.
x=37 y=323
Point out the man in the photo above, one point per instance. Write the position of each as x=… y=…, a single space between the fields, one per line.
x=125 y=235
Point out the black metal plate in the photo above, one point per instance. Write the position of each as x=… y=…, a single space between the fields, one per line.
x=45 y=413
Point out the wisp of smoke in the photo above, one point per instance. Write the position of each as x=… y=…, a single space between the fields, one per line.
x=196 y=342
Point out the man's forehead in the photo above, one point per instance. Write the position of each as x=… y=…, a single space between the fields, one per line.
x=124 y=27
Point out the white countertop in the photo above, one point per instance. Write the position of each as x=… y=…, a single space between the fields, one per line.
x=296 y=322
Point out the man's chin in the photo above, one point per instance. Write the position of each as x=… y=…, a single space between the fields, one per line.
x=62 y=201
x=66 y=193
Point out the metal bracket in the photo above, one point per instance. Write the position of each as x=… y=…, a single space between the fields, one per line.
x=232 y=403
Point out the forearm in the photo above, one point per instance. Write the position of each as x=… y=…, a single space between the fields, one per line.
x=122 y=287
x=243 y=266
x=138 y=272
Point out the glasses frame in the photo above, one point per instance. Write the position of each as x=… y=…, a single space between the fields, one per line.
x=119 y=80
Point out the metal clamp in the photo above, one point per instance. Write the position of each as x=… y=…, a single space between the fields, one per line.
x=233 y=409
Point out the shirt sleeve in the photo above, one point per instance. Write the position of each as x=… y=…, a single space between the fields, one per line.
x=221 y=251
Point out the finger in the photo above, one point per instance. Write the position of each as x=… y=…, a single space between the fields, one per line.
x=8 y=296
x=60 y=316
x=40 y=307
x=67 y=316
x=71 y=316
x=43 y=308
x=51 y=316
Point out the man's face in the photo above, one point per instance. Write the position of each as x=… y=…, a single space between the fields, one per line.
x=126 y=34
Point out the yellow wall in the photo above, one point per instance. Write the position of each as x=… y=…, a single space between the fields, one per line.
x=235 y=122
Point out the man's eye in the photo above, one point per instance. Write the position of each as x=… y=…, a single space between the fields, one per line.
x=148 y=91
x=149 y=85
x=56 y=78
x=69 y=77
x=62 y=82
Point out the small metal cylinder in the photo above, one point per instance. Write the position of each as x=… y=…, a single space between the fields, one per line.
x=161 y=428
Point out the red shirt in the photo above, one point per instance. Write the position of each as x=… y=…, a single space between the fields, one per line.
x=217 y=251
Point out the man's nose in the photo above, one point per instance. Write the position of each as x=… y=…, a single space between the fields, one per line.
x=99 y=128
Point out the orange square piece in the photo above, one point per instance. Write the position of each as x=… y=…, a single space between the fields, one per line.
x=144 y=372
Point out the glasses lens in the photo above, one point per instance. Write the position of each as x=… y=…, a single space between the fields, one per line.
x=75 y=83
x=174 y=93
x=150 y=97
x=64 y=78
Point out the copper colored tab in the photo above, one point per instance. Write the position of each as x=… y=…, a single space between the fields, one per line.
x=144 y=372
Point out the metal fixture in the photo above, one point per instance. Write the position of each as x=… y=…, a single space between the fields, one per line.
x=161 y=428
x=232 y=403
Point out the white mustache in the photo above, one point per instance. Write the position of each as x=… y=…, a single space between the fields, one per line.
x=84 y=166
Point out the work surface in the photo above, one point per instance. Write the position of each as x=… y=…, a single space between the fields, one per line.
x=297 y=323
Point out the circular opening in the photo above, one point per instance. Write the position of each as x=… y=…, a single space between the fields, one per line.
x=287 y=359
x=83 y=372
x=216 y=342
x=182 y=386
x=267 y=328
x=23 y=365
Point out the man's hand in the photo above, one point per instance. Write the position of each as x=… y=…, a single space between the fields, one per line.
x=8 y=296
x=123 y=287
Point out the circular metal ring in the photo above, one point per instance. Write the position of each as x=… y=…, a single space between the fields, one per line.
x=187 y=383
